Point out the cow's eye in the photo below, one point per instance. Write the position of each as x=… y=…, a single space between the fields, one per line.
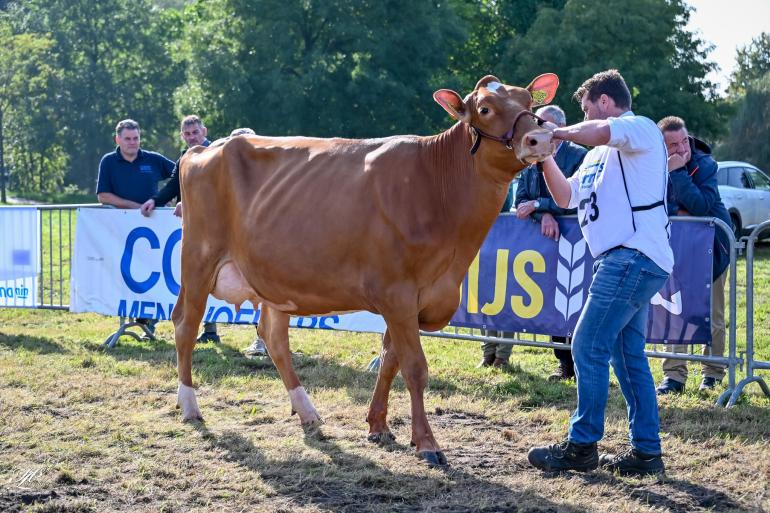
x=484 y=110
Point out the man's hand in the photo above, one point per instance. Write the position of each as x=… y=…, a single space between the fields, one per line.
x=147 y=207
x=525 y=209
x=549 y=227
x=675 y=161
x=178 y=209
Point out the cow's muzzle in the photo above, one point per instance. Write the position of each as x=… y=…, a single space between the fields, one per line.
x=507 y=138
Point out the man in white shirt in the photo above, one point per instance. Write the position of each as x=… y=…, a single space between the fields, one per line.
x=620 y=192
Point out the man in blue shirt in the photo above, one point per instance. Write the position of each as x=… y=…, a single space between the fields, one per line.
x=129 y=175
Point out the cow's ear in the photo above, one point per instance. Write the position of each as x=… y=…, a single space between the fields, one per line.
x=453 y=104
x=543 y=89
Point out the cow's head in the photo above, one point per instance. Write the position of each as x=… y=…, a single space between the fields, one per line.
x=503 y=115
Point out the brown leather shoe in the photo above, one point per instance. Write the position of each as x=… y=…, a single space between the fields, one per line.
x=487 y=361
x=500 y=362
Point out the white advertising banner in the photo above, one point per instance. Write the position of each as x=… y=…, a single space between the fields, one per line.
x=19 y=256
x=128 y=265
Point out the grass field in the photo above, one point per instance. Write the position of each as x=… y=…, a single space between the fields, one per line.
x=85 y=430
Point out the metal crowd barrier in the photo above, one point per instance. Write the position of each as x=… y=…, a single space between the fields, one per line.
x=731 y=361
x=751 y=363
x=58 y=222
x=57 y=225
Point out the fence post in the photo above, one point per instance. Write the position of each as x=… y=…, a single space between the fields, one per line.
x=751 y=364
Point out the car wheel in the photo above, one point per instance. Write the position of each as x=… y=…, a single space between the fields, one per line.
x=735 y=221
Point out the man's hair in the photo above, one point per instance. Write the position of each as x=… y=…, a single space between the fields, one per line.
x=126 y=124
x=608 y=82
x=190 y=120
x=671 y=124
x=555 y=112
x=242 y=131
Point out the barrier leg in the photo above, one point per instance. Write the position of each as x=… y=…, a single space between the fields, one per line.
x=739 y=389
x=112 y=340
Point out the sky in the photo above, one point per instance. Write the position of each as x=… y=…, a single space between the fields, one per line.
x=729 y=25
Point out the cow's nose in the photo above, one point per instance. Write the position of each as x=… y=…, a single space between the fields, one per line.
x=536 y=146
x=537 y=140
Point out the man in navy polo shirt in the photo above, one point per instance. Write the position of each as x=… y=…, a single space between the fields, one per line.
x=129 y=176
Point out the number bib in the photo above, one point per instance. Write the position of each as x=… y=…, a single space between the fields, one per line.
x=604 y=208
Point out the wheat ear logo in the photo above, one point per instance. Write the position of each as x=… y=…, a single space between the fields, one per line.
x=570 y=272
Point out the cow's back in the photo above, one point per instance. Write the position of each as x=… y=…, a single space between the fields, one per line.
x=325 y=220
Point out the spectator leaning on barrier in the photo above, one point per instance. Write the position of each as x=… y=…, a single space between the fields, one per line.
x=193 y=132
x=533 y=200
x=693 y=192
x=130 y=175
x=620 y=194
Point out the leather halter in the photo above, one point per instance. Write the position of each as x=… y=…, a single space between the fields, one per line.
x=507 y=138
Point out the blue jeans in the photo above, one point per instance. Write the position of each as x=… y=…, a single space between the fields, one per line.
x=611 y=329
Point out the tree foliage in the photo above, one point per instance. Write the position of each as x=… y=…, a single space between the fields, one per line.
x=350 y=68
x=325 y=67
x=26 y=75
x=646 y=40
x=114 y=64
x=752 y=63
x=749 y=92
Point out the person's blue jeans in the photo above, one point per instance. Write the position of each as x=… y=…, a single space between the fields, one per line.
x=611 y=329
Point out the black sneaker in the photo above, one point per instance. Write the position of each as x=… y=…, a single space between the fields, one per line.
x=562 y=373
x=670 y=386
x=564 y=456
x=633 y=463
x=709 y=384
x=208 y=336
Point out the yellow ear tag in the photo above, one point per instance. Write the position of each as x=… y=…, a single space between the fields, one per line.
x=539 y=96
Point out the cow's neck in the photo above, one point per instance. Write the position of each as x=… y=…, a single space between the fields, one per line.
x=472 y=187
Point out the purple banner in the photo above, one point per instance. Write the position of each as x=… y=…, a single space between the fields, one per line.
x=524 y=282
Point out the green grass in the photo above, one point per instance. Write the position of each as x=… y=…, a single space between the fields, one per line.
x=83 y=429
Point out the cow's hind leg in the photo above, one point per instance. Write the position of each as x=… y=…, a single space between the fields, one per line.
x=274 y=330
x=405 y=337
x=187 y=315
x=378 y=409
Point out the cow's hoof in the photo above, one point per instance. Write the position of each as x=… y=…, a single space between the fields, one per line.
x=187 y=402
x=385 y=437
x=433 y=459
x=313 y=423
x=192 y=417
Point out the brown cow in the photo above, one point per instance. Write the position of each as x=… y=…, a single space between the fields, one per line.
x=311 y=226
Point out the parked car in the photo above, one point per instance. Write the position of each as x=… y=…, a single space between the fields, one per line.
x=745 y=191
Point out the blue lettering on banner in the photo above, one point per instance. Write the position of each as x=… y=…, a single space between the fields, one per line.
x=140 y=287
x=17 y=292
x=324 y=322
x=168 y=275
x=144 y=309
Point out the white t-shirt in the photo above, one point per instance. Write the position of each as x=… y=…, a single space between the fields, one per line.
x=604 y=191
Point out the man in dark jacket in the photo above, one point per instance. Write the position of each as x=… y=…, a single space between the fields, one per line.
x=193 y=132
x=693 y=191
x=534 y=200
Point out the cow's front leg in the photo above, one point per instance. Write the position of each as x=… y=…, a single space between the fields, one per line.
x=274 y=329
x=379 y=431
x=414 y=369
x=186 y=316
